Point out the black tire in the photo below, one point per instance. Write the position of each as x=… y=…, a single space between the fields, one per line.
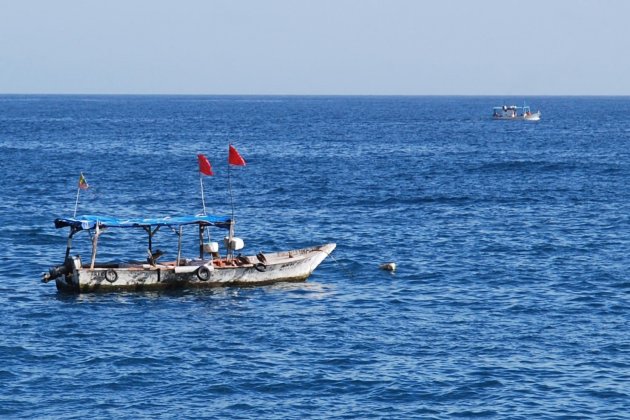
x=203 y=273
x=260 y=267
x=111 y=275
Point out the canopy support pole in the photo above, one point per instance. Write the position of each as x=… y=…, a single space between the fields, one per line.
x=179 y=246
x=201 y=241
x=69 y=243
x=151 y=233
x=94 y=244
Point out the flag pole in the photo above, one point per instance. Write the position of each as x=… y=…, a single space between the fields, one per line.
x=82 y=185
x=204 y=169
x=231 y=233
x=230 y=190
x=203 y=201
x=76 y=204
x=233 y=159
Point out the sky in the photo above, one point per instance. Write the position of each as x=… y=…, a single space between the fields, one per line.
x=315 y=47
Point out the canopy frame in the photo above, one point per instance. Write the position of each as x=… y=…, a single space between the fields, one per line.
x=96 y=224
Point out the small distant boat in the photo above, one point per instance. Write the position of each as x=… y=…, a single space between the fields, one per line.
x=209 y=269
x=513 y=112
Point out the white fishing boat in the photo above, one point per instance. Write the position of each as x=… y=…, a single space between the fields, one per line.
x=513 y=112
x=206 y=270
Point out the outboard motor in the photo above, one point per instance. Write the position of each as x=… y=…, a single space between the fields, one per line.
x=58 y=271
x=54 y=272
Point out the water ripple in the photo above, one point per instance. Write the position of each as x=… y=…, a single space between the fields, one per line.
x=510 y=298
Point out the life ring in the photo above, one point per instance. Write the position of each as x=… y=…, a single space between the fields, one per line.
x=203 y=273
x=111 y=275
x=260 y=267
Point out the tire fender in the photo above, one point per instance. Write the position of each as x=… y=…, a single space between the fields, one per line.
x=111 y=275
x=203 y=273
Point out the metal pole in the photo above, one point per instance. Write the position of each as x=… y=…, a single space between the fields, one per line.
x=228 y=253
x=179 y=246
x=76 y=204
x=201 y=228
x=94 y=244
x=230 y=190
x=69 y=243
x=203 y=201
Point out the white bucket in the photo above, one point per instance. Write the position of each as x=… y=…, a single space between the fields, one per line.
x=235 y=244
x=211 y=247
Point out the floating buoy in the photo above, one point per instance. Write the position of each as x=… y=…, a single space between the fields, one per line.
x=390 y=266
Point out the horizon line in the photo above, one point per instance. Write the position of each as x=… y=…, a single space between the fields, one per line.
x=316 y=94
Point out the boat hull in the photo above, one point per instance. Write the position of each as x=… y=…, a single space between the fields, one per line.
x=289 y=266
x=535 y=116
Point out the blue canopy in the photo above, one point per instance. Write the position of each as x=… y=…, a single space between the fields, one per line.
x=86 y=222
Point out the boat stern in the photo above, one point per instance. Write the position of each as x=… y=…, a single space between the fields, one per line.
x=69 y=282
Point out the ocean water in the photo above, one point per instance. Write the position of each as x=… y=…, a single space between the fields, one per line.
x=511 y=298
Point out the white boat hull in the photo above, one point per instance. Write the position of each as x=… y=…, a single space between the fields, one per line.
x=289 y=266
x=534 y=116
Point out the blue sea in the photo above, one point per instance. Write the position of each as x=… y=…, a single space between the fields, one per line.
x=512 y=242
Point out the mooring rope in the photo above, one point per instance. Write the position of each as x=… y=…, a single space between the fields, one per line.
x=344 y=269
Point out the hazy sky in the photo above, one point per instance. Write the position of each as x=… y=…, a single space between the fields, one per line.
x=398 y=47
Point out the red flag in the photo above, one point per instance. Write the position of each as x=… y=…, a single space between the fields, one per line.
x=204 y=165
x=234 y=158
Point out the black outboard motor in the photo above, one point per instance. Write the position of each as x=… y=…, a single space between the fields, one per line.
x=58 y=271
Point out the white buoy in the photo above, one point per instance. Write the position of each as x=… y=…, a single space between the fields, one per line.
x=390 y=266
